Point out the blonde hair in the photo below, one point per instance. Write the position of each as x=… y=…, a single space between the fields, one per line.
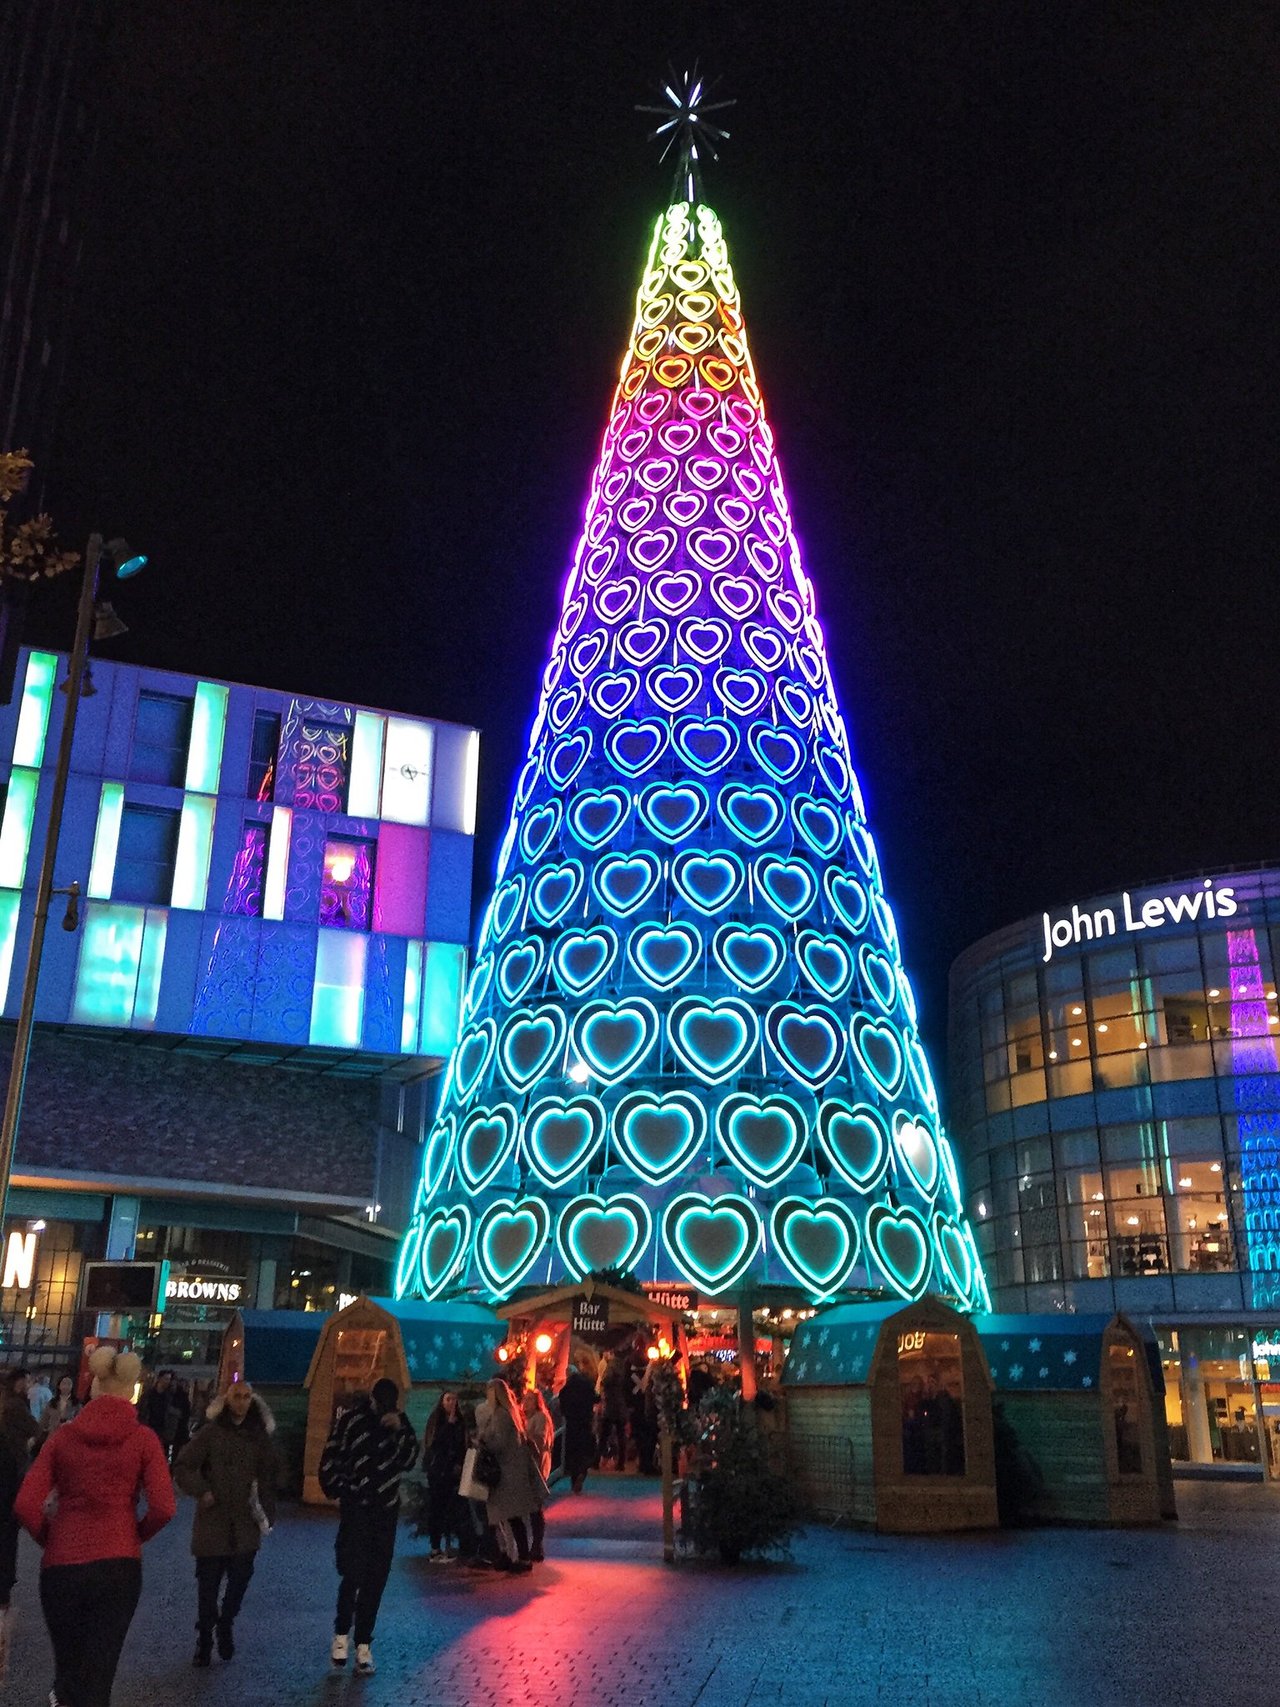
x=501 y=1397
x=115 y=1373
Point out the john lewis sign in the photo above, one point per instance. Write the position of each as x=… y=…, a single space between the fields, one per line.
x=1208 y=900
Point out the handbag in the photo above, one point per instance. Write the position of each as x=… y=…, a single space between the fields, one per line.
x=487 y=1468
x=471 y=1485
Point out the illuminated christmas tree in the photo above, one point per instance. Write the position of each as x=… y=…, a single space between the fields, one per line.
x=688 y=1044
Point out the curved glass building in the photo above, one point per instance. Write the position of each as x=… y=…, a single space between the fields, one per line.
x=1115 y=1099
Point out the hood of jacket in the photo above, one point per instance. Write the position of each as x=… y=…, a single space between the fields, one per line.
x=217 y=1412
x=105 y=1421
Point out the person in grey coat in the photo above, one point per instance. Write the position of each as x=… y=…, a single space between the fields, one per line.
x=230 y=1469
x=518 y=1494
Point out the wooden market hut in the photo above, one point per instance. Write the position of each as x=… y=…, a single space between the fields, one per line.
x=889 y=1418
x=554 y=1312
x=1080 y=1420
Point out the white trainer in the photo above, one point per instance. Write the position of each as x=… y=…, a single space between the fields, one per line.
x=340 y=1649
x=364 y=1660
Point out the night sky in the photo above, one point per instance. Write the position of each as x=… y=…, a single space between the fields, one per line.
x=363 y=274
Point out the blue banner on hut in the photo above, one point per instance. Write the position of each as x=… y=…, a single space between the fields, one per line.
x=278 y=1345
x=835 y=1347
x=446 y=1342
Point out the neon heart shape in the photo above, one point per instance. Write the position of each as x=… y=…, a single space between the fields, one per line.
x=436 y=1157
x=882 y=912
x=921 y=1077
x=826 y=962
x=612 y=692
x=684 y=508
x=445 y=1236
x=650 y=549
x=634 y=746
x=407 y=1260
x=818 y=823
x=727 y=440
x=699 y=404
x=750 y=954
x=764 y=1137
x=472 y=1056
x=753 y=813
x=486 y=1140
x=777 y=750
x=705 y=471
x=712 y=1037
x=749 y=483
x=599 y=561
x=672 y=811
x=636 y=513
x=765 y=645
x=693 y=338
x=807 y=1041
x=788 y=885
x=949 y=1167
x=796 y=703
x=707 y=743
x=708 y=881
x=908 y=998
x=954 y=1255
x=561 y=1136
x=834 y=770
x=478 y=988
x=625 y=881
x=720 y=373
x=879 y=975
x=674 y=685
x=918 y=1151
x=713 y=547
x=847 y=896
x=675 y=592
x=662 y=954
x=568 y=756
x=538 y=828
x=530 y=1039
x=615 y=1037
x=657 y=472
x=564 y=707
x=899 y=1241
x=593 y=1233
x=678 y=436
x=508 y=898
x=786 y=607
x=658 y=1137
x=736 y=513
x=509 y=1237
x=616 y=598
x=740 y=412
x=555 y=889
x=632 y=445
x=810 y=661
x=819 y=1241
x=596 y=816
x=856 y=1140
x=704 y=637
x=641 y=641
x=571 y=617
x=864 y=849
x=712 y=1240
x=735 y=595
x=554 y=670
x=878 y=1048
x=582 y=958
x=587 y=652
x=742 y=690
x=519 y=966
x=654 y=404
x=763 y=558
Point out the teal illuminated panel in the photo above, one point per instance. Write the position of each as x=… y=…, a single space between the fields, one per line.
x=10 y=901
x=150 y=965
x=364 y=793
x=208 y=728
x=110 y=953
x=412 y=998
x=277 y=863
x=337 y=1003
x=442 y=997
x=15 y=827
x=195 y=842
x=33 y=716
x=106 y=839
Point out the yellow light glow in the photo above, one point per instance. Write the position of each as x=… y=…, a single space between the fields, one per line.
x=543 y=1344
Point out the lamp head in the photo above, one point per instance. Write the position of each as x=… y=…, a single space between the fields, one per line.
x=127 y=561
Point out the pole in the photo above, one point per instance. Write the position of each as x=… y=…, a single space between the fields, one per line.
x=667 y=1459
x=44 y=890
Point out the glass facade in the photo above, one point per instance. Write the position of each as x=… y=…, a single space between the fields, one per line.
x=1115 y=1099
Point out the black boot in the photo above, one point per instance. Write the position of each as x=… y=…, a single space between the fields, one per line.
x=204 y=1646
x=226 y=1646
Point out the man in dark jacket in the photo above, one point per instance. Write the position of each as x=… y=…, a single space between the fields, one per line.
x=369 y=1449
x=577 y=1407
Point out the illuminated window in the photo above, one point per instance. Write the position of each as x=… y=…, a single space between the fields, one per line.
x=337 y=1003
x=365 y=794
x=208 y=730
x=442 y=997
x=146 y=853
x=161 y=737
x=121 y=956
x=406 y=771
x=33 y=717
x=15 y=827
x=263 y=747
x=347 y=887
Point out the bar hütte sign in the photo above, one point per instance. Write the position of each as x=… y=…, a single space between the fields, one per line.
x=1208 y=901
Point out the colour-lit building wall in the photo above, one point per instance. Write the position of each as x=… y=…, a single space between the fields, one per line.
x=1115 y=1097
x=243 y=1036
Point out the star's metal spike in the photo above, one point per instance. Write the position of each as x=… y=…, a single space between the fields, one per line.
x=687 y=128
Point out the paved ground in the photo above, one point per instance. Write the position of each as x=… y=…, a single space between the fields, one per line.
x=1049 y=1618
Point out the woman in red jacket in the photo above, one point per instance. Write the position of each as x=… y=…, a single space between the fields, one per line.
x=91 y=1574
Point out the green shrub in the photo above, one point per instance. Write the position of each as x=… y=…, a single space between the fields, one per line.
x=741 y=1505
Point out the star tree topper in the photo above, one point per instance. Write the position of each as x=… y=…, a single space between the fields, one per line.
x=687 y=128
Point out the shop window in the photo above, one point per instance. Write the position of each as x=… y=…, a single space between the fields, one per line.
x=1071 y=1078
x=931 y=1386
x=1088 y=1259
x=1063 y=978
x=1126 y=1403
x=1139 y=1243
x=1170 y=953
x=264 y=745
x=146 y=852
x=1134 y=1179
x=346 y=889
x=1121 y=1072
x=1076 y=1149
x=1199 y=1225
x=161 y=736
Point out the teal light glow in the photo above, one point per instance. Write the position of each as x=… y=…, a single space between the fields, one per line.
x=195 y=843
x=33 y=714
x=364 y=787
x=442 y=997
x=146 y=1001
x=106 y=839
x=208 y=731
x=15 y=827
x=121 y=957
x=10 y=902
x=337 y=1002
x=273 y=885
x=410 y=1013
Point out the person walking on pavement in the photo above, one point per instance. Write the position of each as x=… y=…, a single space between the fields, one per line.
x=62 y=1408
x=230 y=1470
x=91 y=1573
x=577 y=1407
x=444 y=1446
x=540 y=1433
x=517 y=1494
x=39 y=1393
x=369 y=1448
x=16 y=1420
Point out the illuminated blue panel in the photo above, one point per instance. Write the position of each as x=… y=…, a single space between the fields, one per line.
x=412 y=997
x=191 y=864
x=15 y=827
x=106 y=840
x=208 y=731
x=446 y=966
x=33 y=716
x=10 y=901
x=337 y=1001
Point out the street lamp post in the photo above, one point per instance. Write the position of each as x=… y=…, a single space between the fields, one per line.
x=126 y=564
